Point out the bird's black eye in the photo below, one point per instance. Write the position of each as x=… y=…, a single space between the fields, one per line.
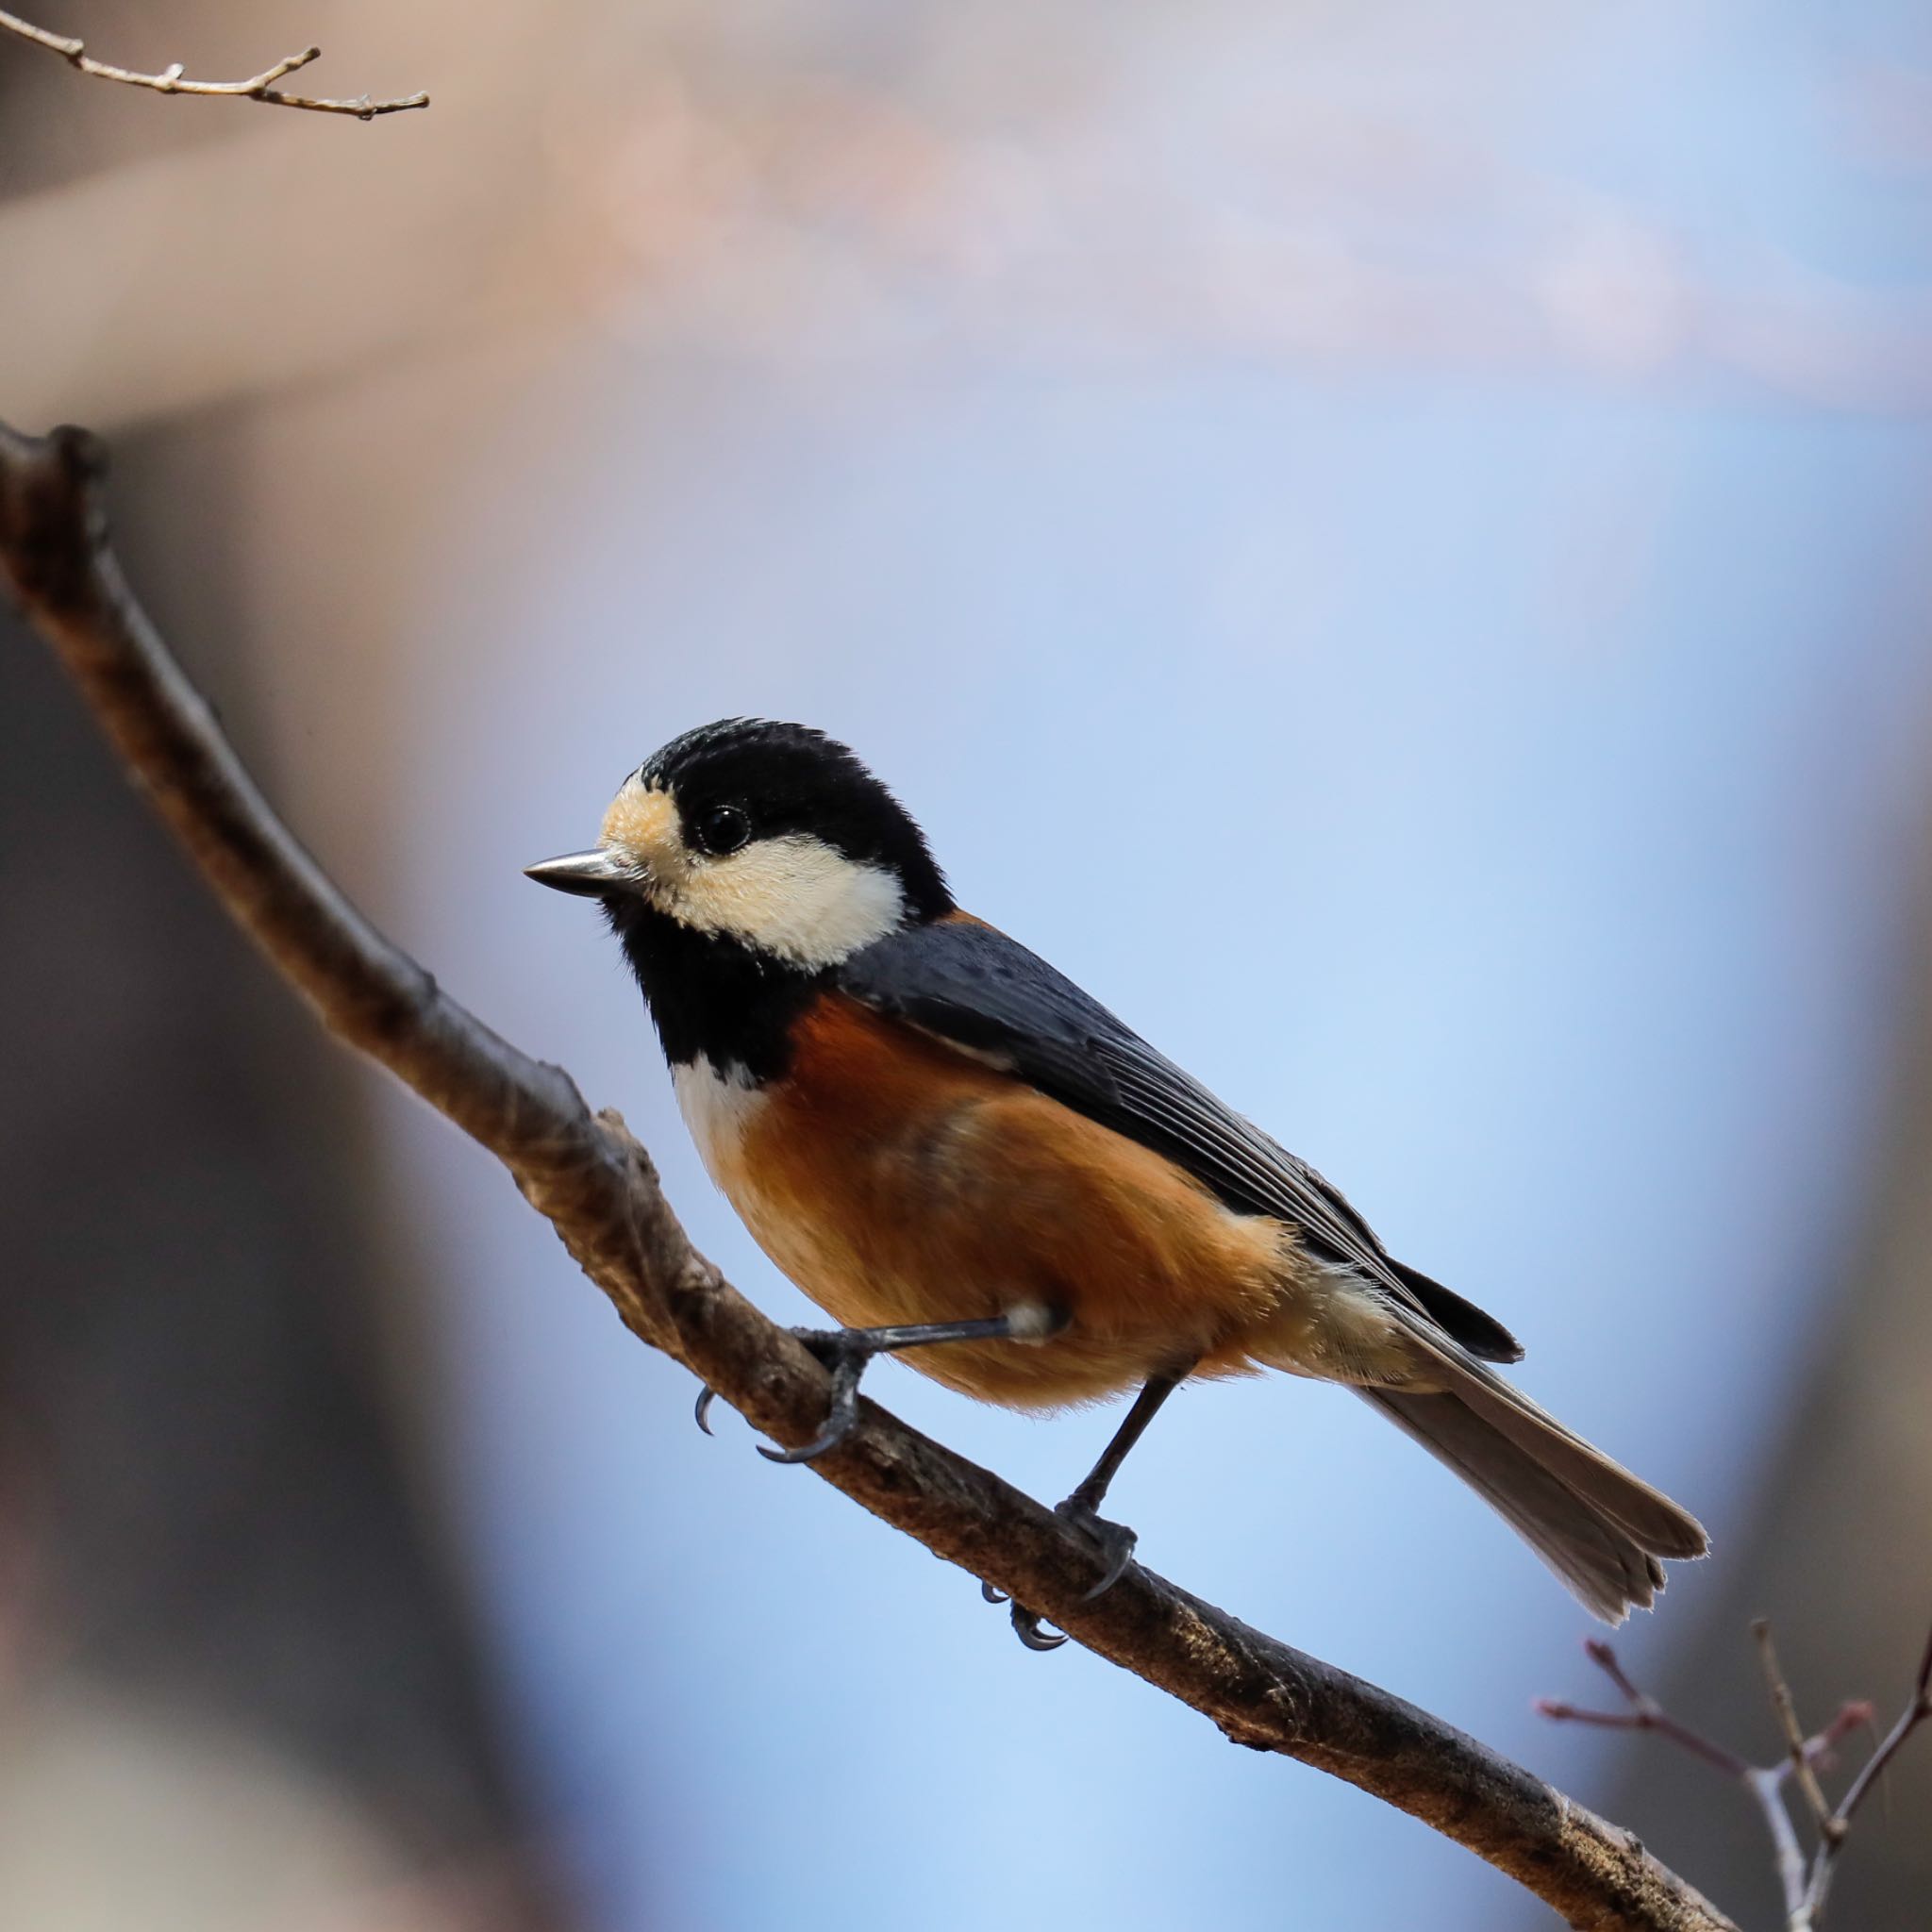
x=722 y=830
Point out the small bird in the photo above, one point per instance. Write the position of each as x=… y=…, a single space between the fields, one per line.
x=955 y=1151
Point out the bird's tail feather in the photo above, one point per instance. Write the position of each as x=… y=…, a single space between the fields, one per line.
x=1602 y=1530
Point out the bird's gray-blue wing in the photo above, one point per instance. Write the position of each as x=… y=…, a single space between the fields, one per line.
x=973 y=988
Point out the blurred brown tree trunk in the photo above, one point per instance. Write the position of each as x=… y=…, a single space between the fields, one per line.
x=202 y=1460
x=199 y=1454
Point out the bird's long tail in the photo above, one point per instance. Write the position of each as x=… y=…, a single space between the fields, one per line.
x=1603 y=1532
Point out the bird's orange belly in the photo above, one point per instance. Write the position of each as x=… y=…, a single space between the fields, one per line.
x=895 y=1181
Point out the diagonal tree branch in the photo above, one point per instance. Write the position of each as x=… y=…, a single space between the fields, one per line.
x=170 y=80
x=597 y=1186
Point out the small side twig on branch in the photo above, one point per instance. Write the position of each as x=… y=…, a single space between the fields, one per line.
x=597 y=1188
x=1804 y=1883
x=171 y=81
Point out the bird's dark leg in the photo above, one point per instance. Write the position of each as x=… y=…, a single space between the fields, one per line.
x=846 y=1351
x=1082 y=1508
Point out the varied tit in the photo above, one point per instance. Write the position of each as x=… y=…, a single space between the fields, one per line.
x=955 y=1151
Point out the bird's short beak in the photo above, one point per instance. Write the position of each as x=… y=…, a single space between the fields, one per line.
x=588 y=875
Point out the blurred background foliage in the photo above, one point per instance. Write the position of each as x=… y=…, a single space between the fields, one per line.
x=1389 y=541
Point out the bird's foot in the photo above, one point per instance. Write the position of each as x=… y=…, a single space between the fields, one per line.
x=1115 y=1542
x=845 y=1353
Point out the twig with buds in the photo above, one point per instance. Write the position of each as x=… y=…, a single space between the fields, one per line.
x=1807 y=1882
x=171 y=80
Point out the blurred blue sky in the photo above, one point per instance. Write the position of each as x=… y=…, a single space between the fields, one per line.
x=1500 y=775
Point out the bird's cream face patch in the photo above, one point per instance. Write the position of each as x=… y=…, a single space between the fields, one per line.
x=791 y=895
x=643 y=826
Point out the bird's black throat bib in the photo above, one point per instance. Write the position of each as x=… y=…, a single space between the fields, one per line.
x=712 y=996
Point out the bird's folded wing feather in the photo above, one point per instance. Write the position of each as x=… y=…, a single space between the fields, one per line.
x=978 y=990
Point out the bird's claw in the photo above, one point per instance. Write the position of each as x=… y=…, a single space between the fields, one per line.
x=845 y=1357
x=1115 y=1542
x=1026 y=1623
x=1030 y=1630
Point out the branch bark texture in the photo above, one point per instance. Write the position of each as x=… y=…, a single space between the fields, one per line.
x=586 y=1173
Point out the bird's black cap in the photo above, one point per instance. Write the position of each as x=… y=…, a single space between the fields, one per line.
x=792 y=778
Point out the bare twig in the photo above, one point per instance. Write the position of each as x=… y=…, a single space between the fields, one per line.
x=1645 y=1714
x=1648 y=1714
x=598 y=1189
x=1786 y=1709
x=170 y=80
x=1766 y=1783
x=1824 y=1868
x=1805 y=1884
